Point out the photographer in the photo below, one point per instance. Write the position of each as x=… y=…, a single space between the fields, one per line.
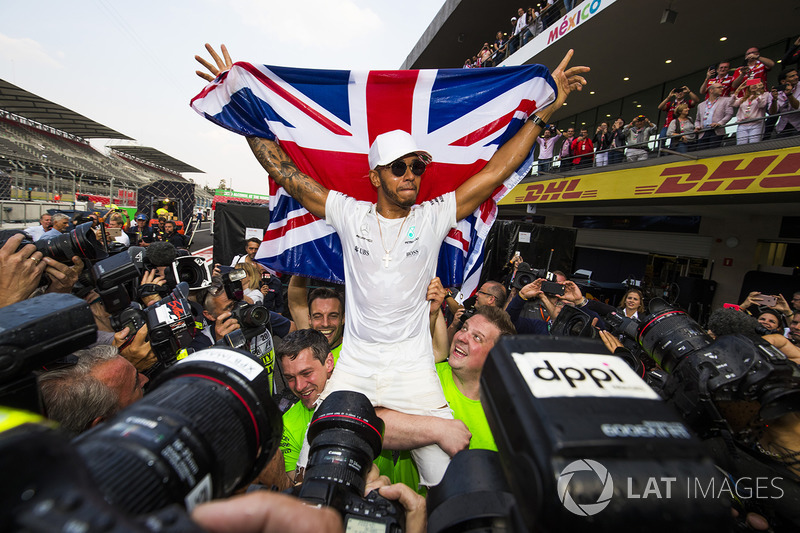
x=491 y=293
x=96 y=386
x=172 y=236
x=676 y=97
x=217 y=308
x=22 y=269
x=143 y=233
x=637 y=133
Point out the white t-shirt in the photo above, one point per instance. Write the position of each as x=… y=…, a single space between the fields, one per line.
x=123 y=238
x=35 y=232
x=385 y=301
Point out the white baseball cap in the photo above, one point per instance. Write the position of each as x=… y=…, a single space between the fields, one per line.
x=388 y=147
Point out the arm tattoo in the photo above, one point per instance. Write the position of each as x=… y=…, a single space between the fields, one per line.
x=283 y=170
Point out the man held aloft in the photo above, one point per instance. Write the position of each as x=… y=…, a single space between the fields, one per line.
x=386 y=338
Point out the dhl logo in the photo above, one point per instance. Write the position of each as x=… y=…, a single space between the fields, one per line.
x=738 y=174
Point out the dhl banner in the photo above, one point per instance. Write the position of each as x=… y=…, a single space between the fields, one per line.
x=752 y=173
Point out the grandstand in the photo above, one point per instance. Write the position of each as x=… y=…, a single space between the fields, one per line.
x=45 y=150
x=707 y=219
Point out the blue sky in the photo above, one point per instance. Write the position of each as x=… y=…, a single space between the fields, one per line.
x=130 y=65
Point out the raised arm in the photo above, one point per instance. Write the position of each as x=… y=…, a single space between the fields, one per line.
x=282 y=169
x=511 y=155
x=275 y=161
x=297 y=294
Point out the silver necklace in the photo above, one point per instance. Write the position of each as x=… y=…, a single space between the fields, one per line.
x=387 y=257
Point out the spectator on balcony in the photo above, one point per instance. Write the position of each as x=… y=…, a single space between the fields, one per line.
x=602 y=141
x=500 y=46
x=786 y=99
x=752 y=109
x=534 y=24
x=547 y=142
x=467 y=63
x=617 y=141
x=550 y=14
x=485 y=56
x=756 y=67
x=676 y=97
x=681 y=130
x=519 y=29
x=720 y=75
x=637 y=133
x=583 y=149
x=715 y=112
x=565 y=150
x=792 y=55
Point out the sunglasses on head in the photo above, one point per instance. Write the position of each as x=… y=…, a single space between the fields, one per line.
x=399 y=167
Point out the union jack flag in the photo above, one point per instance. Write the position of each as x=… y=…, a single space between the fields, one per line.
x=326 y=120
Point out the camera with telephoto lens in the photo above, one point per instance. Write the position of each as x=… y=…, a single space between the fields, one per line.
x=345 y=436
x=189 y=268
x=253 y=318
x=115 y=279
x=206 y=429
x=583 y=445
x=575 y=322
x=705 y=379
x=81 y=241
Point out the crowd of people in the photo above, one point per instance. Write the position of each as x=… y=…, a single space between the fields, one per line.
x=525 y=25
x=693 y=121
x=394 y=334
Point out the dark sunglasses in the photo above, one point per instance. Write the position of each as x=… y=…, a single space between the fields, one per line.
x=399 y=167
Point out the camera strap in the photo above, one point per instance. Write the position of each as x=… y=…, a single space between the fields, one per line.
x=152 y=289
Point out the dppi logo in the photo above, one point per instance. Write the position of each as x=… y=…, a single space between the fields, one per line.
x=586 y=509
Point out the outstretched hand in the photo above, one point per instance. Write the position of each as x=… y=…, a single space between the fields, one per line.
x=222 y=63
x=568 y=79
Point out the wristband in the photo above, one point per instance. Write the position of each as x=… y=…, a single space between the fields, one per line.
x=584 y=302
x=521 y=296
x=537 y=121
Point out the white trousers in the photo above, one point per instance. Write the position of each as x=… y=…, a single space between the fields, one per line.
x=414 y=393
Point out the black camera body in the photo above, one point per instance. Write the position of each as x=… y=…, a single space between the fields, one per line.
x=580 y=439
x=171 y=325
x=345 y=436
x=526 y=275
x=206 y=429
x=253 y=318
x=37 y=332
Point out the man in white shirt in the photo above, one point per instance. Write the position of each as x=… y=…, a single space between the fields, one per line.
x=390 y=251
x=250 y=248
x=786 y=101
x=45 y=223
